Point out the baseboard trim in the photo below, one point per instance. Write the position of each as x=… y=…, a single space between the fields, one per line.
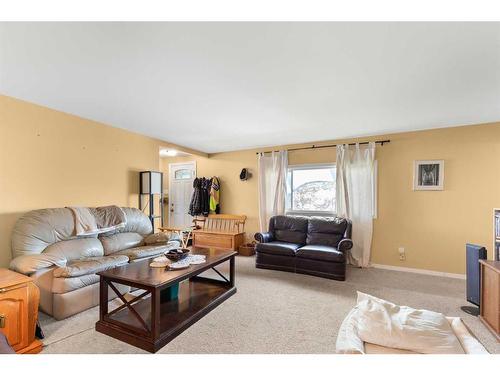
x=419 y=270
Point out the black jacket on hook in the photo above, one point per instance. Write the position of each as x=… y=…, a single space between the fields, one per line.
x=200 y=200
x=205 y=196
x=195 y=205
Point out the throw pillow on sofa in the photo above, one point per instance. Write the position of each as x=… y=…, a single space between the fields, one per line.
x=157 y=238
x=401 y=327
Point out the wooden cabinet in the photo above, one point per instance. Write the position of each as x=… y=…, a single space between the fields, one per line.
x=490 y=296
x=19 y=298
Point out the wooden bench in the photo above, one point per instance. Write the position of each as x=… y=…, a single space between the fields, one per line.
x=219 y=231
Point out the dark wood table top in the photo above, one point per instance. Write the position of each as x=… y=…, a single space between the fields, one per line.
x=141 y=273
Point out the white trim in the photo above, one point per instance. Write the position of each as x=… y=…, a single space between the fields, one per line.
x=375 y=190
x=311 y=166
x=495 y=241
x=310 y=213
x=193 y=162
x=419 y=270
x=170 y=165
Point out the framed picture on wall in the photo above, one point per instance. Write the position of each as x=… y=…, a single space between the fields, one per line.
x=428 y=175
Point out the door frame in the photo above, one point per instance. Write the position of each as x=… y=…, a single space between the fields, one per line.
x=170 y=165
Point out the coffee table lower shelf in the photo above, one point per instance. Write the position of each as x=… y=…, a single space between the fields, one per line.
x=197 y=297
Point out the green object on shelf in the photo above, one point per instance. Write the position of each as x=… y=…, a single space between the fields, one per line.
x=171 y=293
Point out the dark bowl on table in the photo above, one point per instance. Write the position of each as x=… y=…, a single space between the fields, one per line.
x=176 y=254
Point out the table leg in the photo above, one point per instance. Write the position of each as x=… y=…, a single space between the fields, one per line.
x=155 y=313
x=103 y=296
x=231 y=271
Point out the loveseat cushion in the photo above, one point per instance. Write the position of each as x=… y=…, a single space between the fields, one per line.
x=320 y=252
x=120 y=241
x=89 y=266
x=289 y=228
x=277 y=248
x=146 y=251
x=67 y=284
x=326 y=231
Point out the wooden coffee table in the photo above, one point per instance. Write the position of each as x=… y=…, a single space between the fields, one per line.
x=156 y=315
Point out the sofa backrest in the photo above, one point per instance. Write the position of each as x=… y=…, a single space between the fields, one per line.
x=327 y=231
x=52 y=231
x=289 y=228
x=137 y=227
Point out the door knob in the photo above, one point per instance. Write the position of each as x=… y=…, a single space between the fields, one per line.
x=2 y=321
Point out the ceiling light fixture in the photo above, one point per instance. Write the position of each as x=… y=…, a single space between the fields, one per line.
x=165 y=152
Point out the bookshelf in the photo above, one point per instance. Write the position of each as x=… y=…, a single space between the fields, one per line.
x=496 y=233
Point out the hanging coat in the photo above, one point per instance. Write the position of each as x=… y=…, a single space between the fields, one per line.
x=215 y=196
x=205 y=196
x=195 y=205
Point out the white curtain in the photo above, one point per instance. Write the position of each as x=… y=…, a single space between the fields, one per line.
x=272 y=185
x=355 y=197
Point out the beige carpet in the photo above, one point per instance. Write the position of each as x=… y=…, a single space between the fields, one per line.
x=278 y=312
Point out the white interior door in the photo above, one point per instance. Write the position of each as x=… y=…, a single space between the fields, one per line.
x=181 y=176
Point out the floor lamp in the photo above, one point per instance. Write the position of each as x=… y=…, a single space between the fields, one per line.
x=151 y=184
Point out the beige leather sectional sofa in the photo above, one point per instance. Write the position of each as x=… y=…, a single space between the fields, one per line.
x=64 y=266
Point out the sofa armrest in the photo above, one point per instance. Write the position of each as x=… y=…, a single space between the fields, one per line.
x=27 y=264
x=345 y=244
x=264 y=237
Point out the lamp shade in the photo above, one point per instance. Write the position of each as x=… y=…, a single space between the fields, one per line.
x=150 y=182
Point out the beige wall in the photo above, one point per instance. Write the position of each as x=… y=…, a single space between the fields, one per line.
x=52 y=159
x=237 y=197
x=433 y=226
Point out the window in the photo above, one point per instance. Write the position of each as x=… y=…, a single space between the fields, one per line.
x=183 y=174
x=311 y=189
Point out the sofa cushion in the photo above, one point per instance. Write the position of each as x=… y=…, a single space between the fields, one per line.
x=37 y=229
x=146 y=251
x=289 y=229
x=327 y=231
x=320 y=252
x=90 y=265
x=120 y=241
x=68 y=284
x=136 y=221
x=76 y=248
x=277 y=248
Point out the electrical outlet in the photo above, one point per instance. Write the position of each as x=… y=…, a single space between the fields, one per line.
x=402 y=254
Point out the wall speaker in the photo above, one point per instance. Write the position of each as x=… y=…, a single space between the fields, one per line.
x=245 y=174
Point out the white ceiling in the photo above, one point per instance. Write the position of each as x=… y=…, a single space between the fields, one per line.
x=226 y=86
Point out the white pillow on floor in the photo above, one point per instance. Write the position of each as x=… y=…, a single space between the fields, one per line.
x=402 y=327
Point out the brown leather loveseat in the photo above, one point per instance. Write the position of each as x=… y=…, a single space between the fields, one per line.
x=310 y=245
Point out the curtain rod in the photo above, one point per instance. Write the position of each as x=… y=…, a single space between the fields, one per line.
x=327 y=146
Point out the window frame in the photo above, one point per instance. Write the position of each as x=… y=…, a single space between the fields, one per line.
x=289 y=187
